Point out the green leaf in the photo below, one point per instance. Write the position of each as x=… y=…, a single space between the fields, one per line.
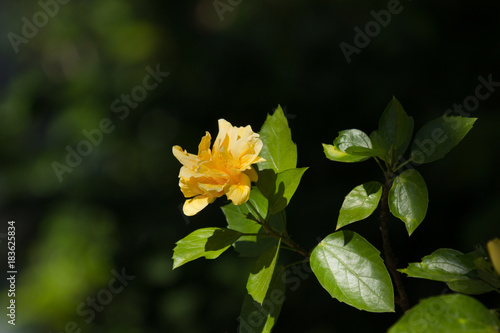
x=471 y=286
x=279 y=151
x=445 y=314
x=240 y=218
x=351 y=270
x=352 y=138
x=394 y=127
x=401 y=150
x=257 y=317
x=262 y=273
x=334 y=154
x=442 y=265
x=347 y=139
x=360 y=203
x=206 y=242
x=458 y=270
x=408 y=199
x=435 y=139
x=368 y=152
x=378 y=144
x=279 y=188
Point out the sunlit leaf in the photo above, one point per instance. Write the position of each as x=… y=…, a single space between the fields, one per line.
x=349 y=139
x=260 y=277
x=334 y=154
x=206 y=242
x=351 y=270
x=408 y=199
x=279 y=151
x=360 y=203
x=446 y=314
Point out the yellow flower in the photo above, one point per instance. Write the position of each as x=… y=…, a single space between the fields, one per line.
x=494 y=251
x=224 y=169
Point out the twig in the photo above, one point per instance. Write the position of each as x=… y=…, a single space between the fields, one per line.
x=390 y=259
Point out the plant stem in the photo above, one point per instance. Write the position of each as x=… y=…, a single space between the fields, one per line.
x=404 y=163
x=390 y=259
x=285 y=238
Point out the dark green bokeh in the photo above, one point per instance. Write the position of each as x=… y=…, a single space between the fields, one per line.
x=120 y=207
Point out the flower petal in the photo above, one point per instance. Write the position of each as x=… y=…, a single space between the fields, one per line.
x=193 y=206
x=188 y=160
x=252 y=174
x=204 y=147
x=188 y=187
x=239 y=193
x=224 y=128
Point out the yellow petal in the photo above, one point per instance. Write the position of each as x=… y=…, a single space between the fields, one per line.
x=224 y=128
x=196 y=204
x=252 y=174
x=494 y=251
x=204 y=145
x=239 y=193
x=188 y=188
x=188 y=160
x=212 y=187
x=248 y=160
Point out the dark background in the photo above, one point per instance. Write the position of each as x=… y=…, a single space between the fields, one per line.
x=120 y=207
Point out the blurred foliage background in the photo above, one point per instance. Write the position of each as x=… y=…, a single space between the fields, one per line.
x=119 y=209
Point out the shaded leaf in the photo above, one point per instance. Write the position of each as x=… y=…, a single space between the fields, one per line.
x=279 y=188
x=401 y=150
x=378 y=144
x=408 y=199
x=435 y=139
x=394 y=128
x=442 y=265
x=351 y=270
x=360 y=203
x=206 y=242
x=458 y=270
x=239 y=217
x=257 y=317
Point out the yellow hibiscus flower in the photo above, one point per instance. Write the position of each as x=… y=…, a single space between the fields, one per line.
x=224 y=169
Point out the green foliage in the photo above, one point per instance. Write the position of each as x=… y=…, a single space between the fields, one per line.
x=408 y=199
x=279 y=188
x=262 y=273
x=360 y=203
x=465 y=273
x=206 y=242
x=257 y=317
x=395 y=130
x=442 y=265
x=435 y=139
x=351 y=146
x=279 y=151
x=240 y=218
x=348 y=266
x=351 y=270
x=445 y=314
